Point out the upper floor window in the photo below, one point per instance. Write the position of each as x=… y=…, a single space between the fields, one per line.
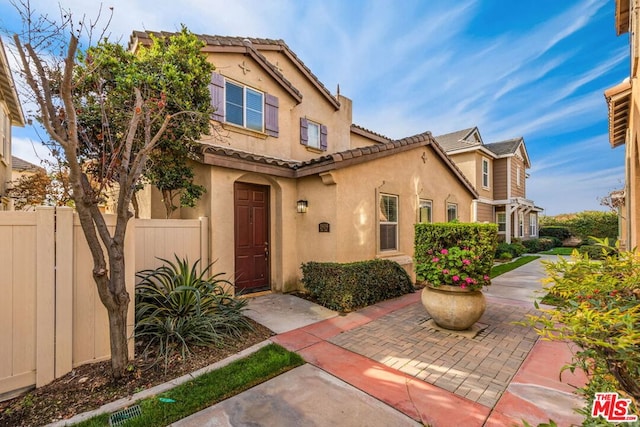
x=485 y=173
x=501 y=219
x=244 y=106
x=388 y=219
x=425 y=211
x=313 y=134
x=518 y=176
x=452 y=212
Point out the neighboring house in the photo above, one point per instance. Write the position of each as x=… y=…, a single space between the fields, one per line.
x=290 y=179
x=623 y=101
x=10 y=115
x=20 y=168
x=498 y=173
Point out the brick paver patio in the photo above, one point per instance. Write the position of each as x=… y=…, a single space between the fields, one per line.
x=478 y=368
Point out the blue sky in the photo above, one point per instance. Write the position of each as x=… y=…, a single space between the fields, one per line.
x=536 y=69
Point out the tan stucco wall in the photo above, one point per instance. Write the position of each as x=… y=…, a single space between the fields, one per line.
x=350 y=206
x=315 y=107
x=468 y=164
x=404 y=175
x=5 y=159
x=632 y=167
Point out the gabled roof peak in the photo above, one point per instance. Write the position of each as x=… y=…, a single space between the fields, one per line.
x=255 y=46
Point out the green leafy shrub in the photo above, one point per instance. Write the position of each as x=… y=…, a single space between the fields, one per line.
x=345 y=287
x=557 y=231
x=177 y=307
x=481 y=239
x=515 y=249
x=505 y=256
x=601 y=314
x=540 y=244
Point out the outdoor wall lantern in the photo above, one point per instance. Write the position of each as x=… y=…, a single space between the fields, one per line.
x=303 y=205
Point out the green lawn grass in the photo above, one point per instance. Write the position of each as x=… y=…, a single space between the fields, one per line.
x=558 y=251
x=499 y=269
x=210 y=388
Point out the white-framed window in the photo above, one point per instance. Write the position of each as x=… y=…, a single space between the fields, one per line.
x=485 y=173
x=244 y=106
x=452 y=212
x=533 y=224
x=425 y=211
x=521 y=224
x=388 y=219
x=501 y=219
x=313 y=134
x=518 y=176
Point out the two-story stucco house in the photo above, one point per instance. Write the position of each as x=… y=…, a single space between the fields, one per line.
x=291 y=179
x=498 y=173
x=623 y=102
x=10 y=115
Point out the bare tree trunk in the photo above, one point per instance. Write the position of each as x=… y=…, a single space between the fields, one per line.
x=118 y=339
x=167 y=198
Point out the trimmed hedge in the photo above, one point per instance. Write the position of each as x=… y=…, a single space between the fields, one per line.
x=515 y=249
x=556 y=231
x=346 y=287
x=541 y=244
x=482 y=238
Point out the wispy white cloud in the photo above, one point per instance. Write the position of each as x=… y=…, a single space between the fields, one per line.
x=424 y=66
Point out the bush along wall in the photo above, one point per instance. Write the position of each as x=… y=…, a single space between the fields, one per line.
x=557 y=231
x=482 y=239
x=346 y=287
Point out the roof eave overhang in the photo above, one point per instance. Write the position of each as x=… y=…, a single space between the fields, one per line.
x=619 y=105
x=622 y=16
x=478 y=147
x=231 y=162
x=8 y=90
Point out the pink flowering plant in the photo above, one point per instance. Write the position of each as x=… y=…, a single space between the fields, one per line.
x=453 y=266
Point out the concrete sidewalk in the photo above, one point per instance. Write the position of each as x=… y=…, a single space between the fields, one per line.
x=383 y=366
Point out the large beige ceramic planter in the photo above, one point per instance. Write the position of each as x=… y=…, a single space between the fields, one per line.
x=452 y=307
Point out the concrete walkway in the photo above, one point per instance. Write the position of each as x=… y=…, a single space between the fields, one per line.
x=384 y=365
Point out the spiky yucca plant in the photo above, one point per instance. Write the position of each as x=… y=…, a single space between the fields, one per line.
x=177 y=307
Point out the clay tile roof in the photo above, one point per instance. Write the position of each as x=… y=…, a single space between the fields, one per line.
x=255 y=45
x=456 y=140
x=369 y=134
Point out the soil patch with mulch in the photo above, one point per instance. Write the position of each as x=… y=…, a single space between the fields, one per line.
x=90 y=386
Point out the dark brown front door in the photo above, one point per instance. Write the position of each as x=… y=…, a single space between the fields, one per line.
x=251 y=237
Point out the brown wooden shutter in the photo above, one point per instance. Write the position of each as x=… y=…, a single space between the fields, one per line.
x=216 y=88
x=323 y=137
x=304 y=131
x=271 y=115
